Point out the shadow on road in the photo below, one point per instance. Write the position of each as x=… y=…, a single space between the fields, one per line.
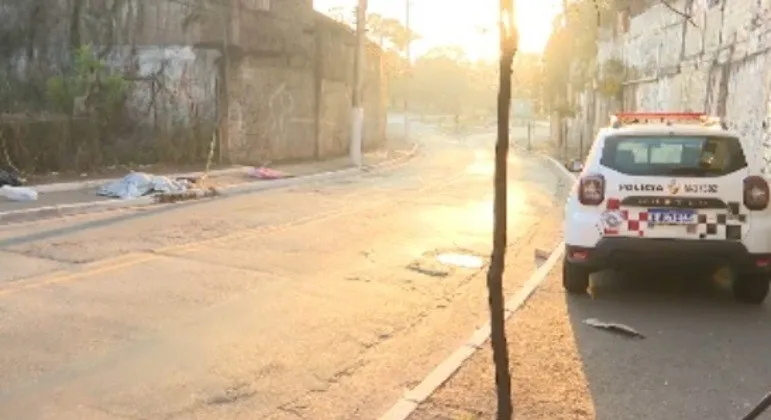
x=704 y=356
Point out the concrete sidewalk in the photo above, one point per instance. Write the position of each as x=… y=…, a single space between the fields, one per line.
x=83 y=195
x=548 y=381
x=546 y=370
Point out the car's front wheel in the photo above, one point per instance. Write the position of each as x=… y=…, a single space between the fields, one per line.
x=575 y=278
x=751 y=288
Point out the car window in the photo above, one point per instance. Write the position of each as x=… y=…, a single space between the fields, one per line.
x=693 y=156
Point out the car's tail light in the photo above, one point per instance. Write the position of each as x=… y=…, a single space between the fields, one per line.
x=756 y=193
x=591 y=190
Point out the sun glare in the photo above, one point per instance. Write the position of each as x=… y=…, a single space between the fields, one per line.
x=470 y=24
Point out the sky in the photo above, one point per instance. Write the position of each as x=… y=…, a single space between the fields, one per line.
x=457 y=22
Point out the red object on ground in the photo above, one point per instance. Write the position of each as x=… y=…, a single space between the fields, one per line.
x=265 y=173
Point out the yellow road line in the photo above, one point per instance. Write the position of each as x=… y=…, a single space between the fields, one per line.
x=64 y=277
x=115 y=263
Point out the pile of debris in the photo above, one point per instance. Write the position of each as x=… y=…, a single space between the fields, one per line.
x=12 y=187
x=139 y=184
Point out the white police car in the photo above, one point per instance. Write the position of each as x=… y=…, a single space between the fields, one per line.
x=664 y=189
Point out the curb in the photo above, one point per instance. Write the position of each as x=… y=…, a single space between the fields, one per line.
x=15 y=216
x=412 y=399
x=561 y=168
x=418 y=395
x=82 y=185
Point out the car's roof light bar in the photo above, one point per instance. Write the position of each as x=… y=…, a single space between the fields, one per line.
x=620 y=119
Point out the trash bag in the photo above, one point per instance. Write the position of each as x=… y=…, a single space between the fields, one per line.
x=10 y=179
x=138 y=184
x=18 y=193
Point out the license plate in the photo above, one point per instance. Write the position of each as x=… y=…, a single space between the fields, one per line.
x=671 y=217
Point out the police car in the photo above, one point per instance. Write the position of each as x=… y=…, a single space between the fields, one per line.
x=669 y=190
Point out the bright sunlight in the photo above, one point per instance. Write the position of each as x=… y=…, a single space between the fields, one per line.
x=468 y=24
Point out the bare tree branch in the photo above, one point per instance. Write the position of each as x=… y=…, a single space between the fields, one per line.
x=685 y=16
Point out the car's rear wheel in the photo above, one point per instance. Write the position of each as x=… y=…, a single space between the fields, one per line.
x=751 y=289
x=575 y=278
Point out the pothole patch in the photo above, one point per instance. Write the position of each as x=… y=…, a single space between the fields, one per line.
x=442 y=263
x=428 y=269
x=461 y=260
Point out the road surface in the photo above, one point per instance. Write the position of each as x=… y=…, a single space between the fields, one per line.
x=704 y=357
x=323 y=301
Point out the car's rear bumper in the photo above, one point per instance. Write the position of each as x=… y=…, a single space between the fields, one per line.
x=654 y=253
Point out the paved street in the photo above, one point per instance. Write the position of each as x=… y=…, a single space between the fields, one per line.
x=327 y=301
x=323 y=301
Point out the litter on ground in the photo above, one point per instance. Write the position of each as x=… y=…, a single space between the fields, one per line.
x=461 y=260
x=620 y=329
x=265 y=173
x=138 y=184
x=11 y=179
x=18 y=193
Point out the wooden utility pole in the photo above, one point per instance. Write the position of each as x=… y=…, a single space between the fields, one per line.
x=568 y=95
x=357 y=112
x=223 y=142
x=509 y=44
x=408 y=85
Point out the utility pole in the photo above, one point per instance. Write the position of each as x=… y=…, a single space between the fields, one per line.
x=407 y=86
x=568 y=95
x=224 y=94
x=357 y=113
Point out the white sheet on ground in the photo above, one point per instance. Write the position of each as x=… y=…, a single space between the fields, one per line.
x=138 y=184
x=18 y=193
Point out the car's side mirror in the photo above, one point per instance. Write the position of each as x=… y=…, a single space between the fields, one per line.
x=574 y=166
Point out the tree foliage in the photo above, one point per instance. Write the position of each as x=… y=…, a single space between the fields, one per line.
x=571 y=51
x=89 y=79
x=389 y=33
x=445 y=80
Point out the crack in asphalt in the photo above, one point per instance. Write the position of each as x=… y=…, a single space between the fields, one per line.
x=113 y=413
x=415 y=266
x=231 y=395
x=40 y=257
x=211 y=263
x=296 y=408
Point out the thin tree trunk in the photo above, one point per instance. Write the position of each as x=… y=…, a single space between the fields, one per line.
x=497 y=262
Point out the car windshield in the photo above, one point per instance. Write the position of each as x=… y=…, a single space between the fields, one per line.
x=666 y=155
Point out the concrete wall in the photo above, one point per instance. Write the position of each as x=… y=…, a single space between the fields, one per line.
x=148 y=42
x=170 y=83
x=336 y=49
x=285 y=93
x=290 y=87
x=717 y=65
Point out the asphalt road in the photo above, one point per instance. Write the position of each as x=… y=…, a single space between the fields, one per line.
x=704 y=356
x=322 y=301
